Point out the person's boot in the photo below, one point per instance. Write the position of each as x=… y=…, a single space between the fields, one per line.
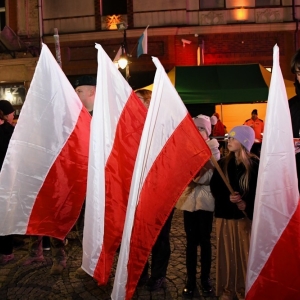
x=144 y=276
x=206 y=286
x=80 y=273
x=58 y=256
x=154 y=284
x=35 y=251
x=58 y=267
x=33 y=259
x=189 y=288
x=4 y=259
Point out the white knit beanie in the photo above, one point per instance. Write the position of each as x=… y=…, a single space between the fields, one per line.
x=203 y=121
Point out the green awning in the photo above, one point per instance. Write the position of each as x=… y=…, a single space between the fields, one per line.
x=221 y=84
x=226 y=84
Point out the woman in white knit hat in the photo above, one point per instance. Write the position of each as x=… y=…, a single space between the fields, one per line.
x=234 y=212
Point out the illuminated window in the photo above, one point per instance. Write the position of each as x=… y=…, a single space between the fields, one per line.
x=116 y=7
x=2 y=14
x=15 y=94
x=207 y=4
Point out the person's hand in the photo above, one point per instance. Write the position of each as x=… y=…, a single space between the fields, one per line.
x=297 y=149
x=235 y=198
x=241 y=205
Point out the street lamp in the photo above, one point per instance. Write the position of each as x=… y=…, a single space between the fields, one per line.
x=123 y=60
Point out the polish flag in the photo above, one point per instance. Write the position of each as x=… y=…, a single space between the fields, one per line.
x=274 y=260
x=43 y=178
x=117 y=124
x=171 y=153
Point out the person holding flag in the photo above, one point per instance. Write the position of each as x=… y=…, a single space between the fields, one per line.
x=85 y=88
x=198 y=216
x=161 y=251
x=6 y=130
x=234 y=212
x=294 y=105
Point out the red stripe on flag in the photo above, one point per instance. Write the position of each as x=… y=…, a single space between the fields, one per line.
x=280 y=277
x=59 y=201
x=183 y=155
x=118 y=175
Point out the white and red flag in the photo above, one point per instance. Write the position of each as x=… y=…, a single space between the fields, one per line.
x=274 y=260
x=117 y=124
x=171 y=153
x=43 y=178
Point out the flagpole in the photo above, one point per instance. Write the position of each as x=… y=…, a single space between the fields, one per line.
x=214 y=161
x=57 y=47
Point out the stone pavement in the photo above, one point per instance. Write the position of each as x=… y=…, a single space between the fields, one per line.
x=35 y=282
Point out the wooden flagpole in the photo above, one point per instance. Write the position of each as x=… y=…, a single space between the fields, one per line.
x=57 y=47
x=214 y=161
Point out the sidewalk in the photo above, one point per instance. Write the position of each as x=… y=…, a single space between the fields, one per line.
x=35 y=282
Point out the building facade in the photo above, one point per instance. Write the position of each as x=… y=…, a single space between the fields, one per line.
x=181 y=32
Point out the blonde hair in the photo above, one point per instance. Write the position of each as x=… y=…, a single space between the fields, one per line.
x=243 y=156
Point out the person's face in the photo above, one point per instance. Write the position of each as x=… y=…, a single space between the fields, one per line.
x=233 y=145
x=10 y=117
x=297 y=72
x=254 y=116
x=146 y=102
x=86 y=94
x=203 y=133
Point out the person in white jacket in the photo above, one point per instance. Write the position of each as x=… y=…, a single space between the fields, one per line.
x=198 y=210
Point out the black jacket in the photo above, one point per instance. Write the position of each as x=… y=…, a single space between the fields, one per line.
x=294 y=104
x=6 y=131
x=224 y=208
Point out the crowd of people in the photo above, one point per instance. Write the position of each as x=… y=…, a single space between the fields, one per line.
x=205 y=198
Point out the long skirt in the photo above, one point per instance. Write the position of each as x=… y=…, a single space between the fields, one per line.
x=233 y=241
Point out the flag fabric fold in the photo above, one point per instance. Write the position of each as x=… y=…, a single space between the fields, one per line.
x=43 y=178
x=142 y=47
x=171 y=152
x=117 y=124
x=274 y=261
